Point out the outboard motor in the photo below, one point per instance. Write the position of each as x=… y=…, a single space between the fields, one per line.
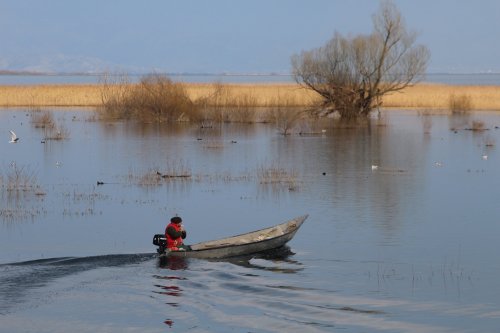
x=160 y=241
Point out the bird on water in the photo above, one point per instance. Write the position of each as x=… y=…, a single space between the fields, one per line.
x=13 y=137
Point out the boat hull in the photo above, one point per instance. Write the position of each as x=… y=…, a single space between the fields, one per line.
x=249 y=243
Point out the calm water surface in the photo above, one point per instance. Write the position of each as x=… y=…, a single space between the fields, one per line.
x=409 y=247
x=446 y=78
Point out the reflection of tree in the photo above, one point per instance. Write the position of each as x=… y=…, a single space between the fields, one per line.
x=382 y=195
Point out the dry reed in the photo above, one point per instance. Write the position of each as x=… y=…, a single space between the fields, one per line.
x=420 y=96
x=460 y=104
x=437 y=96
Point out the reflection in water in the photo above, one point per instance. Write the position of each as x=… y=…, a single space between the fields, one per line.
x=173 y=263
x=276 y=260
x=279 y=255
x=406 y=247
x=190 y=280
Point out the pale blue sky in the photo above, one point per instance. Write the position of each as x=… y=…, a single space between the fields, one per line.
x=257 y=36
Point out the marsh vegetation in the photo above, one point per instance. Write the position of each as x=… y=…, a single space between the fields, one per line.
x=44 y=120
x=20 y=193
x=155 y=98
x=423 y=96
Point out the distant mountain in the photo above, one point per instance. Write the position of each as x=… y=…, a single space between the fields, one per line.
x=60 y=63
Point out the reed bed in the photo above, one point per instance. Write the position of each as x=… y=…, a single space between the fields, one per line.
x=50 y=95
x=420 y=96
x=254 y=95
x=438 y=96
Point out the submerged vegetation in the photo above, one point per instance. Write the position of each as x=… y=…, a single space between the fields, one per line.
x=17 y=179
x=275 y=176
x=44 y=119
x=18 y=185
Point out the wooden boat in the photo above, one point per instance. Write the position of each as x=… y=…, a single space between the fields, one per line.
x=244 y=244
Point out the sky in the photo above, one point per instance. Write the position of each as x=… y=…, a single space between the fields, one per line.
x=224 y=36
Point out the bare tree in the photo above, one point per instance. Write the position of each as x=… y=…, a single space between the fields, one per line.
x=353 y=73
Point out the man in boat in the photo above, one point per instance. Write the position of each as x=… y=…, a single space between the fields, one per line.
x=175 y=233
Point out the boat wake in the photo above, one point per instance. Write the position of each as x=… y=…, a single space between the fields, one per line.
x=18 y=280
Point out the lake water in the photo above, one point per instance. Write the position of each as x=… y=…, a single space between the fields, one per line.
x=411 y=246
x=444 y=78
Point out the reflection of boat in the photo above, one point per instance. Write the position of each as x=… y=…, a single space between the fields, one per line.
x=244 y=244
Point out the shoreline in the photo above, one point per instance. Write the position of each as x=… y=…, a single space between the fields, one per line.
x=427 y=96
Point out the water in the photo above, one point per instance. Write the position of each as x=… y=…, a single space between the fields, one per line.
x=409 y=247
x=444 y=78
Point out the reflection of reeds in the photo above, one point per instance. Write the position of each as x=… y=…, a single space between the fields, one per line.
x=18 y=188
x=173 y=170
x=489 y=141
x=45 y=120
x=12 y=214
x=214 y=144
x=21 y=178
x=58 y=132
x=76 y=198
x=285 y=118
x=478 y=125
x=276 y=175
x=42 y=119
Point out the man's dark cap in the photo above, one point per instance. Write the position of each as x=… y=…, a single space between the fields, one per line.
x=176 y=219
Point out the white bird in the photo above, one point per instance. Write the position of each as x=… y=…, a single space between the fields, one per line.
x=484 y=157
x=13 y=137
x=374 y=167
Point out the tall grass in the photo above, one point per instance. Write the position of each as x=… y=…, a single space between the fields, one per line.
x=87 y=95
x=437 y=97
x=230 y=96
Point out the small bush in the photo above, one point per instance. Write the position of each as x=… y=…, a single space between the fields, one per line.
x=460 y=104
x=154 y=99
